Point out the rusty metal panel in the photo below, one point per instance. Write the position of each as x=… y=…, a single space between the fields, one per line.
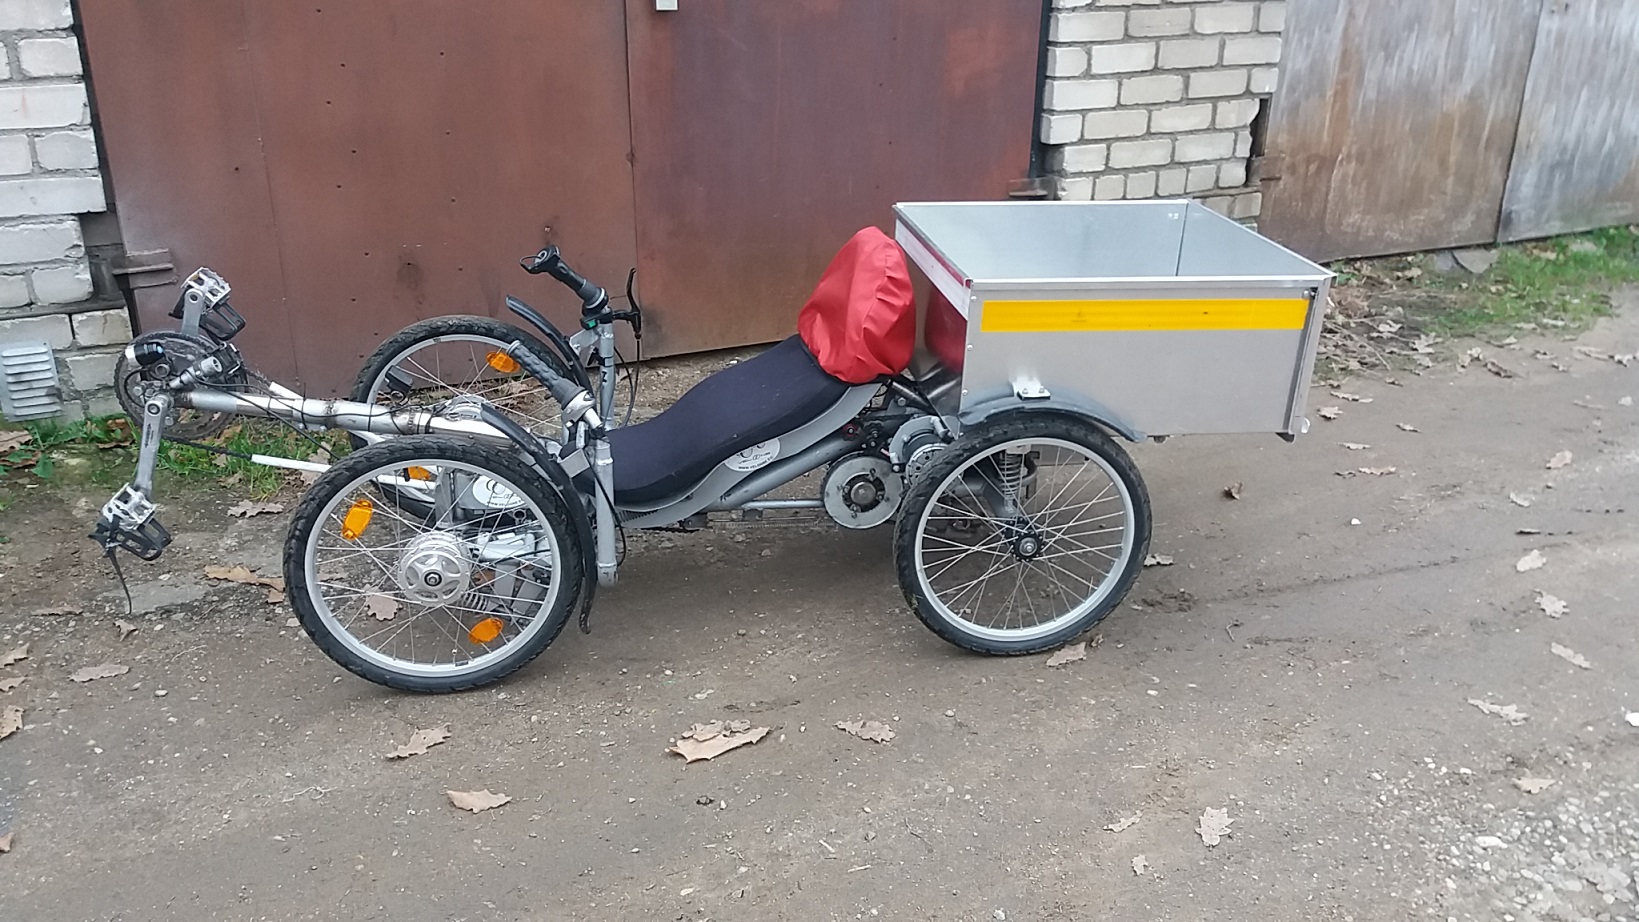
x=393 y=158
x=176 y=107
x=1394 y=123
x=766 y=133
x=1576 y=164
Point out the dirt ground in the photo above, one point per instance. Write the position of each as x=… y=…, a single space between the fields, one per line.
x=1307 y=663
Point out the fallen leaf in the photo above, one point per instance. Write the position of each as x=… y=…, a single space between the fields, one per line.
x=1533 y=785
x=242 y=574
x=1469 y=356
x=1378 y=471
x=1527 y=531
x=248 y=509
x=11 y=720
x=1214 y=825
x=1524 y=502
x=1587 y=405
x=126 y=628
x=1498 y=369
x=1355 y=446
x=7 y=685
x=477 y=801
x=1233 y=491
x=1625 y=402
x=1125 y=823
x=874 y=730
x=1140 y=865
x=1558 y=461
x=1158 y=560
x=1069 y=653
x=1330 y=412
x=12 y=440
x=1531 y=561
x=693 y=750
x=1552 y=606
x=55 y=610
x=17 y=655
x=420 y=742
x=1509 y=712
x=381 y=607
x=275 y=596
x=5 y=843
x=1589 y=352
x=1352 y=398
x=1570 y=656
x=1406 y=427
x=103 y=671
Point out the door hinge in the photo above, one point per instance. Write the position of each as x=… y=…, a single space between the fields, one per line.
x=147 y=269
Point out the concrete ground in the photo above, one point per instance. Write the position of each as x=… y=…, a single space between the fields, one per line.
x=1307 y=664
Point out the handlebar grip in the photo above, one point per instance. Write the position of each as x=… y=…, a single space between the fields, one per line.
x=562 y=389
x=551 y=262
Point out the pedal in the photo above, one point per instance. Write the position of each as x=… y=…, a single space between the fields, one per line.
x=128 y=523
x=147 y=540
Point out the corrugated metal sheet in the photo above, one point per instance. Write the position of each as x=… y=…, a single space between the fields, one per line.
x=1395 y=123
x=1576 y=165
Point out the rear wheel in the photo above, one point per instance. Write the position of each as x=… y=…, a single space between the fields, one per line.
x=1022 y=534
x=456 y=598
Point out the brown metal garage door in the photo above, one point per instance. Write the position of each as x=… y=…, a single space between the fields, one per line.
x=767 y=133
x=352 y=167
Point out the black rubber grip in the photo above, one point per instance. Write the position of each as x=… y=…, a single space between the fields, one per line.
x=562 y=389
x=551 y=262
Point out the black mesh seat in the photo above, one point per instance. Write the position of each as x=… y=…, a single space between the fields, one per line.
x=734 y=409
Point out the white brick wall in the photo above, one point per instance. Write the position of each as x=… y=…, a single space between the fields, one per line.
x=49 y=177
x=1158 y=97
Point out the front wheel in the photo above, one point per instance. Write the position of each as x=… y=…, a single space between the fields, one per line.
x=455 y=598
x=1022 y=534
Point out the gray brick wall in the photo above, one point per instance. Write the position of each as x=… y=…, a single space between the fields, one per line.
x=49 y=178
x=1157 y=98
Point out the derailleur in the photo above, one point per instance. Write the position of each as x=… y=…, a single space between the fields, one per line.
x=128 y=522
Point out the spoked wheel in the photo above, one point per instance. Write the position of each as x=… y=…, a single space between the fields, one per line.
x=454 y=599
x=438 y=360
x=1022 y=534
x=435 y=360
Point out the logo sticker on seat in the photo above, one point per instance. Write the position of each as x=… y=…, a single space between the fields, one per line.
x=754 y=457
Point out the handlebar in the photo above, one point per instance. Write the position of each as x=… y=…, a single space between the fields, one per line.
x=550 y=262
x=562 y=389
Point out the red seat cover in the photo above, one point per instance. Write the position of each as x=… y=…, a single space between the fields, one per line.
x=860 y=322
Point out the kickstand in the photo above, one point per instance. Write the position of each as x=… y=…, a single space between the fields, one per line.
x=113 y=558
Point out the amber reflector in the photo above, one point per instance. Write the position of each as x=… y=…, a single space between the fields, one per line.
x=503 y=363
x=419 y=473
x=357 y=519
x=485 y=630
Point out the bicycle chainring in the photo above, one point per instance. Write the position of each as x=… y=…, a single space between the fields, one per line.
x=133 y=384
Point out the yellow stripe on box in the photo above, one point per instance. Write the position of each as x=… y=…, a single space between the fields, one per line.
x=1149 y=314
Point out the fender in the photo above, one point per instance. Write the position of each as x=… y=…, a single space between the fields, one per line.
x=542 y=455
x=1003 y=404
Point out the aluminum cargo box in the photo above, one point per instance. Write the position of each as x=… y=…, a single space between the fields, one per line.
x=1162 y=318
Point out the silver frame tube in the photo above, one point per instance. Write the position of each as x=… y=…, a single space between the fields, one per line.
x=351 y=415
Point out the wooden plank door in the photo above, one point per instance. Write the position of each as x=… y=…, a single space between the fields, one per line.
x=1394 y=124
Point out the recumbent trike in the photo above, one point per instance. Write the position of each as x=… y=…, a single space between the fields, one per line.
x=474 y=518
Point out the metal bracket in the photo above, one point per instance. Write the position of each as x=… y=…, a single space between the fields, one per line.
x=147 y=269
x=1030 y=389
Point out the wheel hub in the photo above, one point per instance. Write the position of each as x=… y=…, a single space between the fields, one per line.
x=1028 y=546
x=435 y=569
